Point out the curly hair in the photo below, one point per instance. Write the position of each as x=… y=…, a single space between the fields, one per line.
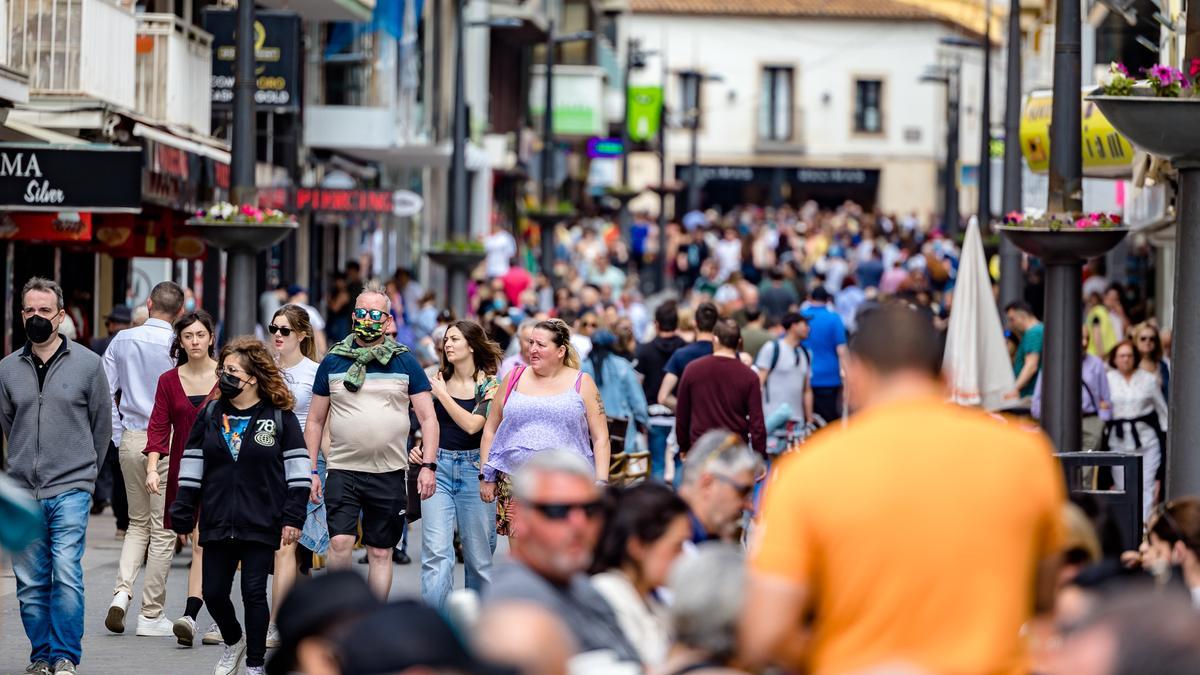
x=178 y=353
x=297 y=318
x=562 y=338
x=259 y=365
x=486 y=352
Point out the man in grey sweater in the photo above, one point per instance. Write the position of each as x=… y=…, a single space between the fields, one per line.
x=56 y=413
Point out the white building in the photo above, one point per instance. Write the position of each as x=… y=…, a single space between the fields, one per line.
x=816 y=99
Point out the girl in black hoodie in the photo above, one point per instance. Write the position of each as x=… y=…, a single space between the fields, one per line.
x=246 y=469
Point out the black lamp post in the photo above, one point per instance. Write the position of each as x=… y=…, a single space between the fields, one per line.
x=549 y=200
x=1012 y=279
x=692 y=81
x=949 y=77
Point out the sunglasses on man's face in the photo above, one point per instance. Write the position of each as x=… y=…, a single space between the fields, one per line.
x=742 y=490
x=282 y=330
x=560 y=511
x=374 y=314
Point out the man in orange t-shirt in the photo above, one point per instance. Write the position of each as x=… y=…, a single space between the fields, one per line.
x=922 y=535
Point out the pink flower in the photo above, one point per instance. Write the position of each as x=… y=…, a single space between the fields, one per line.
x=258 y=217
x=1116 y=220
x=1194 y=69
x=1120 y=68
x=1085 y=222
x=1015 y=217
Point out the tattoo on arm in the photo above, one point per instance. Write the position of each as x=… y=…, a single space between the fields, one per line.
x=600 y=404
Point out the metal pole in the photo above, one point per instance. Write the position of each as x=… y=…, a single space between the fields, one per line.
x=1012 y=279
x=631 y=46
x=242 y=272
x=952 y=149
x=662 y=180
x=1066 y=132
x=547 y=163
x=456 y=206
x=984 y=209
x=692 y=82
x=1062 y=354
x=1183 y=463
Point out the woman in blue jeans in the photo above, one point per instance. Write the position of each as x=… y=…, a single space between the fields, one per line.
x=463 y=389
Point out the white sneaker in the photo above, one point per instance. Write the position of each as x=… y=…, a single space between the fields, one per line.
x=232 y=658
x=185 y=630
x=256 y=670
x=273 y=641
x=115 y=620
x=212 y=636
x=159 y=626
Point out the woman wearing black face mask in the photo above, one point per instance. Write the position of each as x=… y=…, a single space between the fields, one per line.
x=247 y=469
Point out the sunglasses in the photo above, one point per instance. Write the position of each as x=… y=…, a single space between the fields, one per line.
x=742 y=490
x=282 y=330
x=374 y=314
x=560 y=511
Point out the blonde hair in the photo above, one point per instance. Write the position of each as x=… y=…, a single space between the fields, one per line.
x=562 y=338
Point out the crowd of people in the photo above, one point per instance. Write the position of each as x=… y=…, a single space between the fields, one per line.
x=756 y=470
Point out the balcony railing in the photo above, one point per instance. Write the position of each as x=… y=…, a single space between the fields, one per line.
x=81 y=49
x=174 y=68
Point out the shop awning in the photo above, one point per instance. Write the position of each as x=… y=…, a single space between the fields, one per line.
x=16 y=130
x=180 y=143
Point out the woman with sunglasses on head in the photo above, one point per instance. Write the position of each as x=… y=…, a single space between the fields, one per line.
x=295 y=347
x=463 y=388
x=1139 y=418
x=548 y=404
x=246 y=470
x=1150 y=356
x=179 y=397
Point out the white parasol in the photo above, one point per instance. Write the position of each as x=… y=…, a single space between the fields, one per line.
x=976 y=359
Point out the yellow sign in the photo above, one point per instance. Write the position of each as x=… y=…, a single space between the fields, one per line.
x=1106 y=153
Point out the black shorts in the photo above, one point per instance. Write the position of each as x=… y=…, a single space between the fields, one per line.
x=380 y=497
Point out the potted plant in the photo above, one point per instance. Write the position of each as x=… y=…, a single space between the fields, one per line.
x=1064 y=237
x=227 y=225
x=552 y=215
x=457 y=253
x=1158 y=114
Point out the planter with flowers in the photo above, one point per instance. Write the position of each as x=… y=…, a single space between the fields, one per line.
x=226 y=225
x=1159 y=114
x=457 y=254
x=1064 y=237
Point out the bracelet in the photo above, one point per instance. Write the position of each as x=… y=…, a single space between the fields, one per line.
x=316 y=473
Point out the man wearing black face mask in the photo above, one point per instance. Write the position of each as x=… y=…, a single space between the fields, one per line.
x=363 y=390
x=55 y=412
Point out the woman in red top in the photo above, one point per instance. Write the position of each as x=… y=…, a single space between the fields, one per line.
x=182 y=393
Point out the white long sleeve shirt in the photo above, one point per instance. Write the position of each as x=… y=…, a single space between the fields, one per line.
x=134 y=361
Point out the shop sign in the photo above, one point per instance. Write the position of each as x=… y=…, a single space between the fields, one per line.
x=50 y=178
x=162 y=235
x=276 y=55
x=406 y=204
x=578 y=99
x=65 y=226
x=766 y=175
x=345 y=201
x=1106 y=153
x=645 y=112
x=604 y=148
x=172 y=177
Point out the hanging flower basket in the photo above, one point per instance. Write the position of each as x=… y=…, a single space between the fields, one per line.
x=457 y=254
x=1064 y=237
x=1158 y=114
x=227 y=225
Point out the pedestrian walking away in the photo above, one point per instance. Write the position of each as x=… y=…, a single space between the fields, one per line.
x=182 y=393
x=134 y=361
x=554 y=406
x=827 y=344
x=463 y=390
x=295 y=350
x=55 y=411
x=362 y=391
x=246 y=471
x=721 y=392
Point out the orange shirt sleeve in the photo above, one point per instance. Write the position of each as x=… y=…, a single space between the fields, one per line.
x=785 y=543
x=1052 y=490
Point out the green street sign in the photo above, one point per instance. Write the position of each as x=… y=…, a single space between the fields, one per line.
x=645 y=112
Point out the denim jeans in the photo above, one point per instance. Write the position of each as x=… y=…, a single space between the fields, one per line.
x=657 y=440
x=456 y=503
x=50 y=580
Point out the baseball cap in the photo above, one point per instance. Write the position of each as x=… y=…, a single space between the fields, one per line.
x=313 y=607
x=120 y=314
x=403 y=635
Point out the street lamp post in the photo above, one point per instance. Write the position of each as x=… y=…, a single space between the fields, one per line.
x=985 y=125
x=691 y=81
x=456 y=208
x=242 y=267
x=1012 y=279
x=948 y=76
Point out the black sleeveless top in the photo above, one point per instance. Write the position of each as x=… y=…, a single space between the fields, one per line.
x=452 y=436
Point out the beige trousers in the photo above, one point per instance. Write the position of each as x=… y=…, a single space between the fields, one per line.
x=145 y=539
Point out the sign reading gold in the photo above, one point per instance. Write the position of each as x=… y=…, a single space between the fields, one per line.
x=276 y=57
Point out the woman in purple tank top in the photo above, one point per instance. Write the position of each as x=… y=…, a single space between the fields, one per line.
x=550 y=405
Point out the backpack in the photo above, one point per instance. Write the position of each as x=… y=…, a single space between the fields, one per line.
x=800 y=351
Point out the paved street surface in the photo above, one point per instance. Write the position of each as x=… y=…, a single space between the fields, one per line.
x=108 y=654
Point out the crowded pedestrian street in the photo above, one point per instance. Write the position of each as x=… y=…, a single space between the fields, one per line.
x=600 y=337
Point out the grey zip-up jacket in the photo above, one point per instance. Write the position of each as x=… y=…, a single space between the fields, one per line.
x=58 y=435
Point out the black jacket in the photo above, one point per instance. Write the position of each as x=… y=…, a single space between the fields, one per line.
x=253 y=497
x=652 y=357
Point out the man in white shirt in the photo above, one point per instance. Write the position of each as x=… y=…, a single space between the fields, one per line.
x=500 y=247
x=135 y=359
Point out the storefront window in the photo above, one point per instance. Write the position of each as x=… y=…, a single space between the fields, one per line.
x=868 y=114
